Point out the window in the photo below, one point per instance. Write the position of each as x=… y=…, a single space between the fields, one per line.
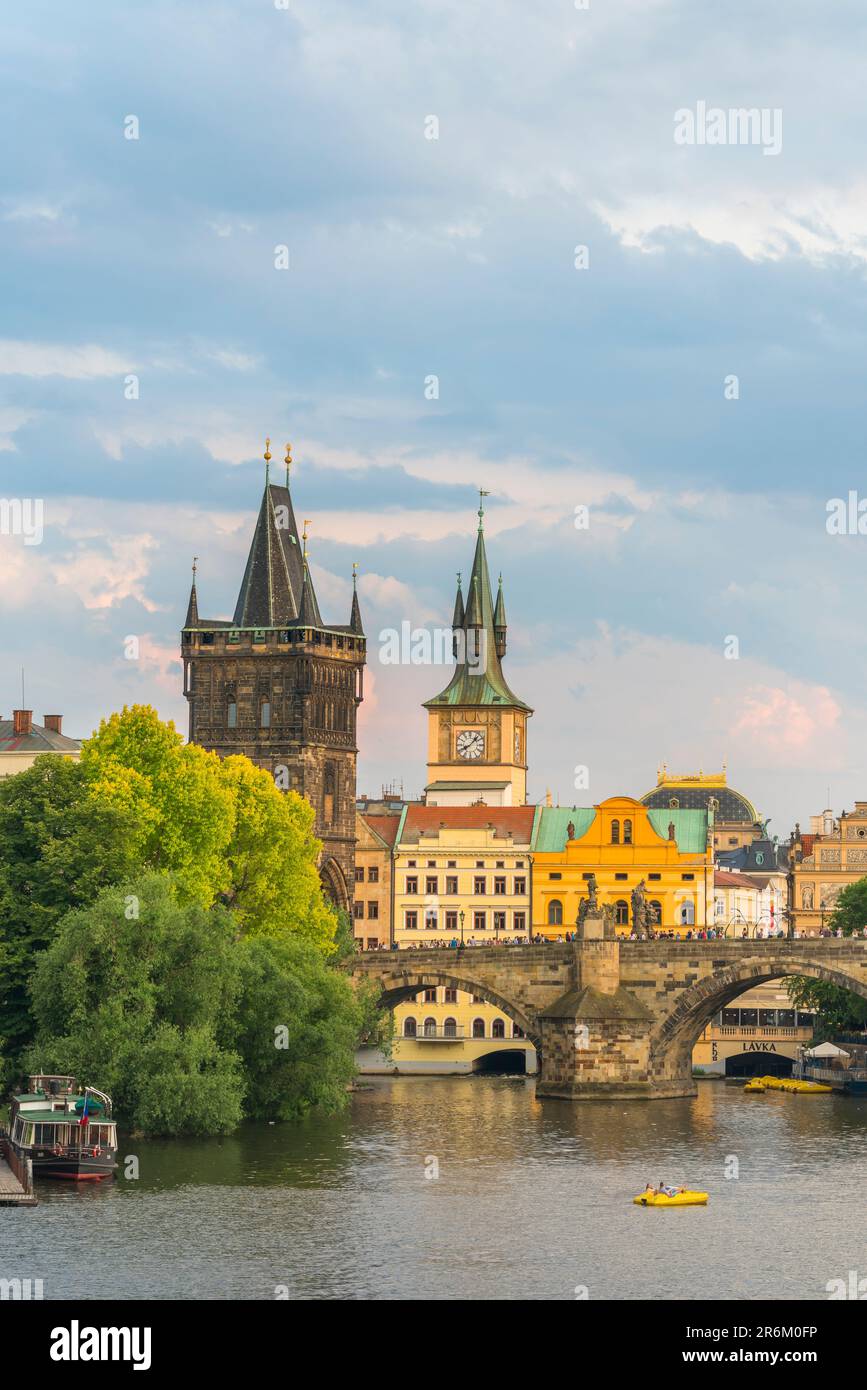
x=519 y=921
x=265 y=714
x=410 y=921
x=359 y=873
x=687 y=878
x=499 y=886
x=411 y=884
x=452 y=883
x=430 y=1027
x=499 y=921
x=555 y=913
x=450 y=1028
x=498 y=1029
x=373 y=911
x=500 y=864
x=733 y=839
x=622 y=876
x=452 y=864
x=430 y=919
x=656 y=909
x=232 y=714
x=357 y=910
x=687 y=914
x=719 y=907
x=519 y=863
x=478 y=1027
x=451 y=921
x=560 y=875
x=615 y=832
x=478 y=886
x=373 y=874
x=654 y=878
x=627 y=832
x=431 y=863
x=330 y=807
x=478 y=921
x=430 y=996
x=451 y=995
x=520 y=886
x=430 y=883
x=621 y=913
x=480 y=863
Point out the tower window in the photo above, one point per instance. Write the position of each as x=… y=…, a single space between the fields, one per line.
x=627 y=832
x=265 y=714
x=615 y=832
x=329 y=799
x=232 y=714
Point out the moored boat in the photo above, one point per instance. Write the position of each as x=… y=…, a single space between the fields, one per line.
x=66 y=1133
x=678 y=1199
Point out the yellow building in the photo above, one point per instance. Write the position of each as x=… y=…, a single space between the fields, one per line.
x=477 y=728
x=735 y=820
x=374 y=880
x=22 y=741
x=626 y=846
x=824 y=862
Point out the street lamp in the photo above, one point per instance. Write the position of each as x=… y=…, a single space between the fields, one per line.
x=461 y=915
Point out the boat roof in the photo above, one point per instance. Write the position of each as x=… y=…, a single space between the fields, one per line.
x=62 y=1117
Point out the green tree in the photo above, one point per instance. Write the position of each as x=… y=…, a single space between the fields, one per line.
x=850 y=909
x=837 y=1010
x=130 y=997
x=61 y=841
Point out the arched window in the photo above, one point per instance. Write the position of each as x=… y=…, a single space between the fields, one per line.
x=232 y=714
x=555 y=913
x=430 y=1027
x=329 y=794
x=687 y=913
x=499 y=1028
x=627 y=832
x=673 y=803
x=656 y=912
x=410 y=1028
x=621 y=912
x=450 y=1028
x=265 y=714
x=615 y=832
x=478 y=1027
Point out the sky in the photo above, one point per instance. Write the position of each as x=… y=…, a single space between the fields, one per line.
x=694 y=376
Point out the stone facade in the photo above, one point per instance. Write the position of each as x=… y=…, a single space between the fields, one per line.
x=614 y=1018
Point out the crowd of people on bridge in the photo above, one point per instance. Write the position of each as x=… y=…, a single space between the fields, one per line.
x=759 y=933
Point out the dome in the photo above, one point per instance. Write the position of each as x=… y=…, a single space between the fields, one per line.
x=695 y=792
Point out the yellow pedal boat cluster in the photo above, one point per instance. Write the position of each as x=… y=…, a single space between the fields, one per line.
x=680 y=1199
x=790 y=1084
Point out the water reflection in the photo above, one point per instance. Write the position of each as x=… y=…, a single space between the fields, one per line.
x=532 y=1199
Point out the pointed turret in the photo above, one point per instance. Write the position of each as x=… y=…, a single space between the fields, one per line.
x=193 y=605
x=458 y=617
x=478 y=677
x=273 y=579
x=355 y=613
x=308 y=613
x=500 y=621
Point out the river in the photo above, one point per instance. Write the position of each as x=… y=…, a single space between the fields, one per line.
x=531 y=1201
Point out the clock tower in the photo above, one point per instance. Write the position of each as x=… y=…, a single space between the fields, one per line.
x=477 y=728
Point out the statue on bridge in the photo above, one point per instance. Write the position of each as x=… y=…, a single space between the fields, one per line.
x=643 y=915
x=590 y=904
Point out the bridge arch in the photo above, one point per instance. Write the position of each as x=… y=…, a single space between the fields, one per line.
x=399 y=987
x=672 y=1042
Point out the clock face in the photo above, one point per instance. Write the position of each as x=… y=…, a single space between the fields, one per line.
x=471 y=744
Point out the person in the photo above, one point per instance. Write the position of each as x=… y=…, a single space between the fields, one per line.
x=650 y=1190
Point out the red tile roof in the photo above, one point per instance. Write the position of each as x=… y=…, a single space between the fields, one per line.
x=516 y=821
x=723 y=878
x=807 y=842
x=383 y=826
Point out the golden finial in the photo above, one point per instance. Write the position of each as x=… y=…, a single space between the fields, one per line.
x=354 y=573
x=288 y=462
x=267 y=451
x=195 y=566
x=304 y=536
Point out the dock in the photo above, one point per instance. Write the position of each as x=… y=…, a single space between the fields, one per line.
x=16 y=1179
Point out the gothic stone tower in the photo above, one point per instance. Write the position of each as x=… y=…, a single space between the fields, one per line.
x=282 y=686
x=477 y=728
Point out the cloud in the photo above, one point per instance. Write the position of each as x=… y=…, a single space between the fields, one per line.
x=80 y=363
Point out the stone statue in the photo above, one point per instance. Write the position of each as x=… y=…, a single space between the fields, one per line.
x=807 y=897
x=570 y=830
x=590 y=903
x=671 y=830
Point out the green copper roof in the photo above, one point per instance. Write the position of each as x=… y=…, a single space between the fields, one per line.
x=478 y=678
x=552 y=822
x=690 y=828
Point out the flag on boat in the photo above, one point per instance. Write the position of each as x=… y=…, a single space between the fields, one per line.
x=83 y=1120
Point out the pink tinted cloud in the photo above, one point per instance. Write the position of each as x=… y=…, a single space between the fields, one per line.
x=782 y=720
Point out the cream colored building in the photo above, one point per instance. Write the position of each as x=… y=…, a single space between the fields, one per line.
x=22 y=741
x=824 y=862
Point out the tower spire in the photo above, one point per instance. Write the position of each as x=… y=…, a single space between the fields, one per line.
x=355 y=613
x=288 y=462
x=193 y=605
x=267 y=458
x=482 y=496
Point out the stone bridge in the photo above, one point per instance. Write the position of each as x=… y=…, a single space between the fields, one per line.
x=613 y=1018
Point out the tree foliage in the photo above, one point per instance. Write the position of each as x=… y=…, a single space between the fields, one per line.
x=837 y=1010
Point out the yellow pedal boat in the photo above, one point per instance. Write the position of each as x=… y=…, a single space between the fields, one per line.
x=755 y=1088
x=680 y=1199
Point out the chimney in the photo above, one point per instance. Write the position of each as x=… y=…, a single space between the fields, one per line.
x=52 y=722
x=22 y=721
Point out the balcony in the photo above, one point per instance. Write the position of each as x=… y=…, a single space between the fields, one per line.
x=438 y=1034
